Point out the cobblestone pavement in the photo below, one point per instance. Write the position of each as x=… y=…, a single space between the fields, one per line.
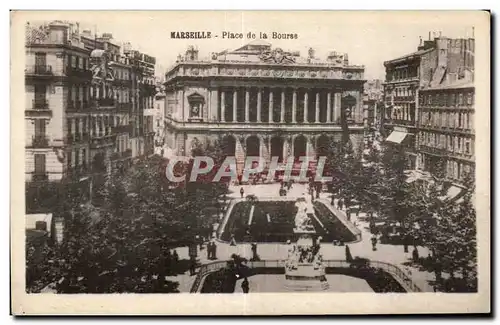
x=393 y=254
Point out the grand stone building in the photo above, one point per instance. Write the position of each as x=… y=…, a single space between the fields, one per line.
x=262 y=102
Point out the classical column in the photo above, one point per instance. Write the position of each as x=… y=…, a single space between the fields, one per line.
x=270 y=113
x=222 y=106
x=214 y=105
x=208 y=109
x=329 y=107
x=282 y=115
x=73 y=133
x=306 y=103
x=247 y=105
x=235 y=103
x=316 y=119
x=285 y=148
x=336 y=106
x=294 y=106
x=259 y=104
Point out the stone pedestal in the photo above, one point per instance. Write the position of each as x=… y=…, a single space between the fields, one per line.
x=302 y=273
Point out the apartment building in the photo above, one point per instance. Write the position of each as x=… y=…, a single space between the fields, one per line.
x=432 y=66
x=85 y=100
x=446 y=118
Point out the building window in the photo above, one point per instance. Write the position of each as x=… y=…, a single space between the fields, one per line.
x=460 y=99
x=39 y=164
x=39 y=128
x=196 y=103
x=469 y=99
x=73 y=61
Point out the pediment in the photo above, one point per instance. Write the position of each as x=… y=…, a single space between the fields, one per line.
x=196 y=97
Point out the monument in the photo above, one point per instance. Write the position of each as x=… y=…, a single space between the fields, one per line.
x=304 y=269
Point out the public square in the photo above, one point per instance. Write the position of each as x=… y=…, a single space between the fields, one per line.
x=393 y=254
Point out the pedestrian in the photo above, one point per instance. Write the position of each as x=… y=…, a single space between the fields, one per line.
x=242 y=191
x=168 y=261
x=192 y=266
x=255 y=256
x=209 y=251
x=232 y=241
x=245 y=286
x=348 y=214
x=214 y=251
x=175 y=257
x=333 y=199
x=340 y=204
x=415 y=255
x=374 y=242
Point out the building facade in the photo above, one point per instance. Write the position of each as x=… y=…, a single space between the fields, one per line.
x=84 y=101
x=262 y=102
x=158 y=115
x=405 y=76
x=373 y=94
x=446 y=117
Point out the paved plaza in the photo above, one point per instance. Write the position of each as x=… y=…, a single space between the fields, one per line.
x=393 y=254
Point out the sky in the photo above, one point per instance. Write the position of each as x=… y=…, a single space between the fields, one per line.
x=369 y=39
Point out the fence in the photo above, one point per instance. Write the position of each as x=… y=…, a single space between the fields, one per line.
x=402 y=278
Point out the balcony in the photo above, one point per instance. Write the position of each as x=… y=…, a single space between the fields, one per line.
x=38 y=70
x=39 y=176
x=447 y=129
x=400 y=122
x=124 y=82
x=122 y=155
x=124 y=107
x=122 y=129
x=78 y=171
x=404 y=98
x=78 y=73
x=445 y=152
x=102 y=141
x=77 y=138
x=39 y=141
x=105 y=103
x=75 y=105
x=39 y=109
x=334 y=126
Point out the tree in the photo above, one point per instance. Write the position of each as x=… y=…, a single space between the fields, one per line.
x=119 y=246
x=454 y=242
x=396 y=196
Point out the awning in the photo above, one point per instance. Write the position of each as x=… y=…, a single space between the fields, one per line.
x=396 y=136
x=31 y=220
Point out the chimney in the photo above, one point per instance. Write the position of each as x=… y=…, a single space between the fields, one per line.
x=58 y=32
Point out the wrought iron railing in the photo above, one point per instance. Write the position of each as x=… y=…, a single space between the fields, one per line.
x=39 y=69
x=401 y=277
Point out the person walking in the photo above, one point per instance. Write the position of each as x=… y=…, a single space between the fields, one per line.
x=245 y=286
x=242 y=191
x=232 y=241
x=214 y=251
x=192 y=266
x=340 y=204
x=374 y=242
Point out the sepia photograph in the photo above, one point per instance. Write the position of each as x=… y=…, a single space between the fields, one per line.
x=227 y=154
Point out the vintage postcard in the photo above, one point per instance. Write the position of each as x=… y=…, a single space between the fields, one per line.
x=250 y=162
